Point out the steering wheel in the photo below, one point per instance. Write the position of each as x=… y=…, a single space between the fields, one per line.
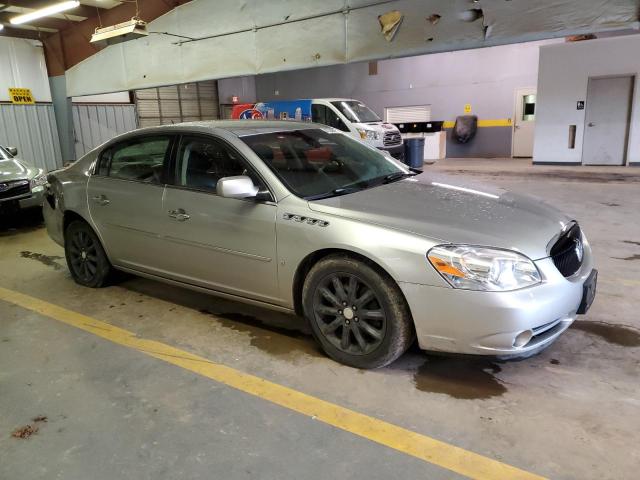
x=332 y=164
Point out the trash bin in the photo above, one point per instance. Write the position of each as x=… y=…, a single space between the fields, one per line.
x=414 y=152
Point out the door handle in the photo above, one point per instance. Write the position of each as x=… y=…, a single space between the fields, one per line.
x=591 y=124
x=179 y=215
x=101 y=200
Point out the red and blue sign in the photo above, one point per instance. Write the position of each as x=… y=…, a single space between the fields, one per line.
x=299 y=110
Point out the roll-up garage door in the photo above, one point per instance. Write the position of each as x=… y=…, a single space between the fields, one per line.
x=178 y=103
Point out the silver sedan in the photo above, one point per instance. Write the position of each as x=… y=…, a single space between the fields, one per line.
x=300 y=218
x=21 y=184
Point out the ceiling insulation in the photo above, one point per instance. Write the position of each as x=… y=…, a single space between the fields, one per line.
x=226 y=38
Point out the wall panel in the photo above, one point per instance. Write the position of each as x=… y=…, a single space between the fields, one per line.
x=95 y=124
x=32 y=129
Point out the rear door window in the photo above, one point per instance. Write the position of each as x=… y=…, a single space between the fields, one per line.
x=140 y=159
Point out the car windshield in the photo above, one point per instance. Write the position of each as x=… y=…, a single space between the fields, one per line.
x=4 y=155
x=356 y=112
x=316 y=164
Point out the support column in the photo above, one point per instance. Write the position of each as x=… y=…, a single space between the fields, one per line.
x=63 y=109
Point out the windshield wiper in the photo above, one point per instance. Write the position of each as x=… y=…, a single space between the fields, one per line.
x=396 y=176
x=334 y=193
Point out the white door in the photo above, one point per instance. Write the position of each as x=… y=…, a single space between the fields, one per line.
x=524 y=122
x=607 y=120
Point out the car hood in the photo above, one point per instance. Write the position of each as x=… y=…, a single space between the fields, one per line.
x=450 y=210
x=14 y=169
x=377 y=126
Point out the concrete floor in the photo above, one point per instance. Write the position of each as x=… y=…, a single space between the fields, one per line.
x=572 y=412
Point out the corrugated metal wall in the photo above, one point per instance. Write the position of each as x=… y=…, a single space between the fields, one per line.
x=95 y=124
x=178 y=103
x=32 y=130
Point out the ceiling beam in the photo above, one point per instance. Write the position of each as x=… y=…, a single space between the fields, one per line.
x=20 y=33
x=72 y=44
x=80 y=11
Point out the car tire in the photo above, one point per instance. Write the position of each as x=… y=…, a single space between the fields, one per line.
x=357 y=314
x=86 y=259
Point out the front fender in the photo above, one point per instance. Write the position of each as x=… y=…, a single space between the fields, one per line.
x=402 y=255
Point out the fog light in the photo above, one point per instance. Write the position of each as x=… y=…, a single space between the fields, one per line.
x=522 y=338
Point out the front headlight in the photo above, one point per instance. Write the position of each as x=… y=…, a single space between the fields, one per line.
x=369 y=135
x=39 y=180
x=480 y=268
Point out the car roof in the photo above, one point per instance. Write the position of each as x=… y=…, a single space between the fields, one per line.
x=239 y=128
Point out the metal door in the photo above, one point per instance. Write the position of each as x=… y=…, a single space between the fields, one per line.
x=524 y=122
x=607 y=120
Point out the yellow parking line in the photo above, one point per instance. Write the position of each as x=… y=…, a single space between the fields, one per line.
x=406 y=441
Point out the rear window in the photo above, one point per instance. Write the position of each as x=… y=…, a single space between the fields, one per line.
x=141 y=159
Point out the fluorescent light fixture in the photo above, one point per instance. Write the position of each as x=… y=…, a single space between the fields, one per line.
x=122 y=32
x=44 y=12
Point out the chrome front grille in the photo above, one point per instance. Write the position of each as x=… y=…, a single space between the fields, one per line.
x=14 y=188
x=568 y=252
x=391 y=138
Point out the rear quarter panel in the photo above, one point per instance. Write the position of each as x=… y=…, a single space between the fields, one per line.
x=67 y=192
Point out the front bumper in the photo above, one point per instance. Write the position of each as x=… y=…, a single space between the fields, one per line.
x=495 y=323
x=396 y=151
x=30 y=200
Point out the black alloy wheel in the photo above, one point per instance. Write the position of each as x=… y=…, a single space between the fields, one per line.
x=356 y=312
x=349 y=314
x=83 y=256
x=86 y=258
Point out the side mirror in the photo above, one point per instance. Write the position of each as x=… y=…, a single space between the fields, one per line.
x=13 y=151
x=240 y=186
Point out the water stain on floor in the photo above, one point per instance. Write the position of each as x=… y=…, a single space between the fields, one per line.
x=630 y=258
x=461 y=378
x=273 y=339
x=48 y=260
x=617 y=334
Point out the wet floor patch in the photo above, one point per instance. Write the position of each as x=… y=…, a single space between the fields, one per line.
x=629 y=258
x=622 y=335
x=48 y=260
x=273 y=339
x=462 y=378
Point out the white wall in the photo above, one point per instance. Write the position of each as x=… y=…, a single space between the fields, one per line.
x=562 y=81
x=486 y=78
x=117 y=97
x=243 y=87
x=22 y=65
